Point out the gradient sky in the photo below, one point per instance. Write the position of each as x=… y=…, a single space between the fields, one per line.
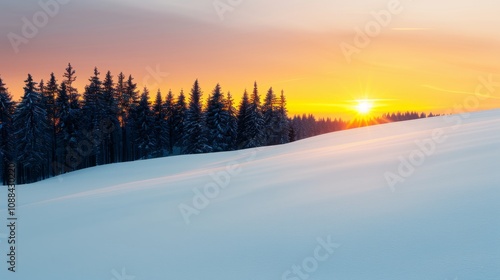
x=429 y=57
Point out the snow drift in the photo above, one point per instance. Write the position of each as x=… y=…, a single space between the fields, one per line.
x=412 y=200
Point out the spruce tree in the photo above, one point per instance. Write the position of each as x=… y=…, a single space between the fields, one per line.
x=254 y=123
x=161 y=132
x=123 y=106
x=179 y=121
x=195 y=141
x=121 y=100
x=69 y=79
x=286 y=134
x=31 y=133
x=92 y=116
x=169 y=110
x=6 y=141
x=75 y=159
x=144 y=127
x=129 y=105
x=232 y=126
x=271 y=119
x=242 y=137
x=66 y=130
x=110 y=125
x=49 y=95
x=217 y=121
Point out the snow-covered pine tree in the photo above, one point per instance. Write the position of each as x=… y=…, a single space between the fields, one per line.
x=44 y=105
x=254 y=123
x=271 y=119
x=284 y=122
x=242 y=135
x=110 y=125
x=66 y=129
x=6 y=141
x=75 y=117
x=31 y=133
x=195 y=141
x=144 y=127
x=169 y=110
x=92 y=116
x=161 y=131
x=217 y=122
x=178 y=119
x=120 y=96
x=232 y=126
x=291 y=133
x=49 y=95
x=131 y=101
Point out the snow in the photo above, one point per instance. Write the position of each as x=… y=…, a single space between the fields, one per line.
x=281 y=206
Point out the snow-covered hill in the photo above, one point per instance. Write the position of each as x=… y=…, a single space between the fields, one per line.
x=414 y=200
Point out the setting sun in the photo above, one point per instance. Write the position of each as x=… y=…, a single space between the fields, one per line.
x=364 y=107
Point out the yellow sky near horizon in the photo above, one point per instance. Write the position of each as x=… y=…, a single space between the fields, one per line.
x=421 y=57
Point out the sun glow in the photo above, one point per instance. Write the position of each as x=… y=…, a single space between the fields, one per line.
x=364 y=107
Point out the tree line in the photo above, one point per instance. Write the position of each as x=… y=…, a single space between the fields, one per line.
x=53 y=129
x=308 y=125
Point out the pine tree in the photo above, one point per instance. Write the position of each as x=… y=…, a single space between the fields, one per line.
x=92 y=116
x=120 y=98
x=217 y=122
x=285 y=134
x=242 y=135
x=254 y=122
x=69 y=79
x=291 y=134
x=129 y=105
x=179 y=121
x=110 y=125
x=49 y=95
x=195 y=141
x=30 y=130
x=74 y=119
x=169 y=109
x=271 y=119
x=232 y=126
x=144 y=127
x=66 y=129
x=161 y=132
x=123 y=106
x=6 y=141
x=41 y=88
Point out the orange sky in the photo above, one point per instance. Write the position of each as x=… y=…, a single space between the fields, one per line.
x=424 y=57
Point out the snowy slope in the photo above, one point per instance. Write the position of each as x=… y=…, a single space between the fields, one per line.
x=322 y=204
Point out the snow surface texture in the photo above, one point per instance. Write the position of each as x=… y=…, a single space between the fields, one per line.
x=323 y=205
